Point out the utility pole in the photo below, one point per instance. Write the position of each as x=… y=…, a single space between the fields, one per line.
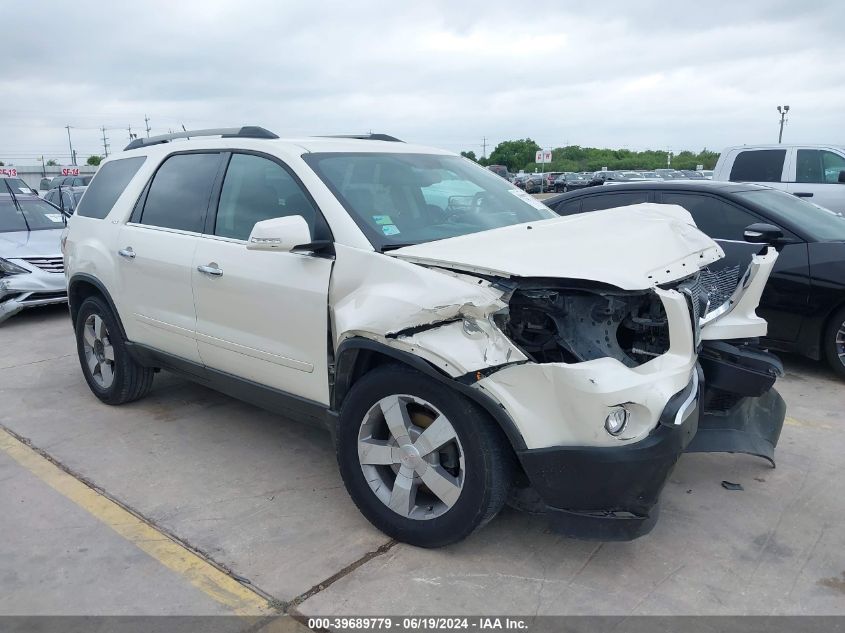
x=70 y=144
x=483 y=147
x=147 y=124
x=783 y=110
x=105 y=142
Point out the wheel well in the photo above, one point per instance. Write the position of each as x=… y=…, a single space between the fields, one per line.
x=78 y=292
x=80 y=289
x=827 y=323
x=356 y=357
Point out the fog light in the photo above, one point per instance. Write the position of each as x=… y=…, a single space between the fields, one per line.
x=616 y=420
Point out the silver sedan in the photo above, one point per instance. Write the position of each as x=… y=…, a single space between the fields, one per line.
x=31 y=265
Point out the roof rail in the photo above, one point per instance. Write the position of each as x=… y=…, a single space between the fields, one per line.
x=247 y=131
x=366 y=137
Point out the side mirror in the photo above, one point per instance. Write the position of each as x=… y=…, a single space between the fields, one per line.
x=762 y=233
x=842 y=176
x=279 y=234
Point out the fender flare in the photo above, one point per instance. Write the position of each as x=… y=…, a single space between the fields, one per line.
x=347 y=357
x=90 y=279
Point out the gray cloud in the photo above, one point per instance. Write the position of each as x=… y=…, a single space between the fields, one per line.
x=644 y=74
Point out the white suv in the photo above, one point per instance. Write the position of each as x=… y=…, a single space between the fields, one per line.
x=464 y=344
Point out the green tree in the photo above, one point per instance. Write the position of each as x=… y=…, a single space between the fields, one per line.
x=470 y=154
x=94 y=160
x=51 y=163
x=515 y=155
x=2 y=164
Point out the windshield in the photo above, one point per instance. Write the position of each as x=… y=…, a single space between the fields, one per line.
x=818 y=223
x=17 y=185
x=40 y=215
x=402 y=199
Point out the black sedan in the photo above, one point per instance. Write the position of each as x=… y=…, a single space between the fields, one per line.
x=570 y=181
x=804 y=300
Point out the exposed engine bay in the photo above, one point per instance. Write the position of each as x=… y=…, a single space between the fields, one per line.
x=560 y=322
x=573 y=324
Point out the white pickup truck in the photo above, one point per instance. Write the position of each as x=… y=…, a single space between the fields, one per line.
x=813 y=172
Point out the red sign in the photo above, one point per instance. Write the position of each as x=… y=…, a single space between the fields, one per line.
x=8 y=171
x=70 y=171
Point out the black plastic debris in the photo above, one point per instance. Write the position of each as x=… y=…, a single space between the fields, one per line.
x=729 y=485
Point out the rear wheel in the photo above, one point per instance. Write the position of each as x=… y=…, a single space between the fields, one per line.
x=834 y=343
x=111 y=373
x=424 y=464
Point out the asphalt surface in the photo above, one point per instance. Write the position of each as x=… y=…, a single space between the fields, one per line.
x=258 y=499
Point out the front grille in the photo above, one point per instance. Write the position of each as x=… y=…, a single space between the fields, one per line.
x=719 y=285
x=717 y=402
x=50 y=264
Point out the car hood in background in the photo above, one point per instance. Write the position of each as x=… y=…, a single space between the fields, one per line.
x=18 y=244
x=632 y=248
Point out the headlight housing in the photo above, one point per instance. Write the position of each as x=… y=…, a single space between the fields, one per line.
x=8 y=268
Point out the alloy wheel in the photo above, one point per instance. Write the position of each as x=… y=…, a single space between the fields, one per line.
x=99 y=352
x=840 y=343
x=411 y=457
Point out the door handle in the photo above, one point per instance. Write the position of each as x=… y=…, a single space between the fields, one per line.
x=803 y=194
x=211 y=269
x=127 y=252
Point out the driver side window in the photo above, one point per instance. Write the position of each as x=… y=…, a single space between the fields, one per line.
x=256 y=189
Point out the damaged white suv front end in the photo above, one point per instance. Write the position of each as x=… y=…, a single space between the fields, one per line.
x=584 y=333
x=465 y=345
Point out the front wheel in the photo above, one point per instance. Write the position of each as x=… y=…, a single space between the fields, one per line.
x=111 y=373
x=423 y=463
x=835 y=343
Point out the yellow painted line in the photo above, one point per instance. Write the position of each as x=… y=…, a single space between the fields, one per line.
x=807 y=423
x=200 y=573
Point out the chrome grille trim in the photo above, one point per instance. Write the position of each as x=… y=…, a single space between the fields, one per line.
x=50 y=264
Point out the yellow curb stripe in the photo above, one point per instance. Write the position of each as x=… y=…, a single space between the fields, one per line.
x=216 y=584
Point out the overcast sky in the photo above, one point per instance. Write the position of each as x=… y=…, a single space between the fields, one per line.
x=679 y=75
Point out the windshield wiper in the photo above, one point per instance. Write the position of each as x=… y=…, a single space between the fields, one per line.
x=393 y=247
x=18 y=205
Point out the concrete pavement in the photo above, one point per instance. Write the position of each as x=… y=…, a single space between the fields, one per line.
x=261 y=496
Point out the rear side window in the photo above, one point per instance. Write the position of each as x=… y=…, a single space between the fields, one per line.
x=106 y=188
x=717 y=218
x=610 y=200
x=763 y=165
x=180 y=191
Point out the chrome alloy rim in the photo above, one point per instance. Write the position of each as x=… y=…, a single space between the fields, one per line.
x=411 y=457
x=99 y=353
x=840 y=343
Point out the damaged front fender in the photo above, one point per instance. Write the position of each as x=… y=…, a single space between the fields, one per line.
x=442 y=316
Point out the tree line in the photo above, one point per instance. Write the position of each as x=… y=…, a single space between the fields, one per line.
x=519 y=154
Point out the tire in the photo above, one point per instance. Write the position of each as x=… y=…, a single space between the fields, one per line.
x=834 y=342
x=98 y=336
x=479 y=461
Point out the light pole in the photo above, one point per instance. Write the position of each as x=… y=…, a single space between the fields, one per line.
x=783 y=110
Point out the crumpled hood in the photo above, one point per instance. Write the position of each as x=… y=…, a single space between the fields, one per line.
x=632 y=248
x=18 y=244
